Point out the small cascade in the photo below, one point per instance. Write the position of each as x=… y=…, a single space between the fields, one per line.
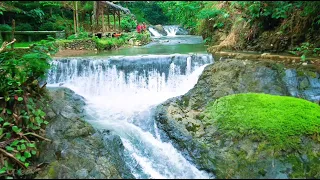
x=154 y=32
x=171 y=30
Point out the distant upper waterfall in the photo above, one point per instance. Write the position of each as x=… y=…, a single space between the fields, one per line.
x=154 y=32
x=171 y=30
x=168 y=30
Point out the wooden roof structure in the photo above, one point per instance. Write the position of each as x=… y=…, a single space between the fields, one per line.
x=113 y=6
x=108 y=8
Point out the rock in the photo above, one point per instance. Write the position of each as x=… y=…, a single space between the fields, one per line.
x=160 y=29
x=304 y=64
x=77 y=150
x=200 y=141
x=131 y=42
x=182 y=31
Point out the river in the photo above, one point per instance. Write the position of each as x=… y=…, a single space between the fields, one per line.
x=123 y=87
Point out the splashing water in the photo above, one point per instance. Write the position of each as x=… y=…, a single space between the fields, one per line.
x=154 y=32
x=121 y=93
x=171 y=30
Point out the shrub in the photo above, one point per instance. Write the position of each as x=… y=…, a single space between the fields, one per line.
x=50 y=26
x=5 y=27
x=22 y=119
x=127 y=24
x=24 y=27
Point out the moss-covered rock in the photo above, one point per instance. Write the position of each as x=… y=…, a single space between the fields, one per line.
x=229 y=154
x=279 y=120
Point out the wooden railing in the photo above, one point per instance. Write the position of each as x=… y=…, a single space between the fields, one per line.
x=57 y=34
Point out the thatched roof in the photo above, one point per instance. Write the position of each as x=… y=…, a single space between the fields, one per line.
x=117 y=7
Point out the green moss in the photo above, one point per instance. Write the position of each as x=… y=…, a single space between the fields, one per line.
x=311 y=74
x=279 y=120
x=300 y=73
x=52 y=172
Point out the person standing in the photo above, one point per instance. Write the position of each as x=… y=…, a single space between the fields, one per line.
x=144 y=27
x=139 y=27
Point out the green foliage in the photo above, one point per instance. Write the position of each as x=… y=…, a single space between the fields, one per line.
x=144 y=38
x=22 y=116
x=306 y=50
x=278 y=120
x=50 y=26
x=109 y=43
x=80 y=35
x=23 y=27
x=127 y=23
x=149 y=12
x=5 y=27
x=182 y=12
x=36 y=14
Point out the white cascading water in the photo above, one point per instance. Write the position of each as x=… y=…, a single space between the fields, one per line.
x=171 y=30
x=121 y=93
x=154 y=32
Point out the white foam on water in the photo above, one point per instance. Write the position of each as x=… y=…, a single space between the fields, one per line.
x=154 y=32
x=121 y=102
x=171 y=30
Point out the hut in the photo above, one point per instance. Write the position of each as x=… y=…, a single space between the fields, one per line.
x=110 y=9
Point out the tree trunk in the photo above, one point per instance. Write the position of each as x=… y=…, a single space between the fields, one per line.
x=77 y=18
x=97 y=14
x=114 y=20
x=62 y=13
x=119 y=21
x=74 y=22
x=94 y=15
x=103 y=28
x=108 y=18
x=13 y=29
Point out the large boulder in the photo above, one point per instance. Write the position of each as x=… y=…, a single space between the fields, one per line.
x=77 y=150
x=182 y=31
x=160 y=29
x=181 y=119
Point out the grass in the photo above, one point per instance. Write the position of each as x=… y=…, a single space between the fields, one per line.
x=23 y=44
x=279 y=120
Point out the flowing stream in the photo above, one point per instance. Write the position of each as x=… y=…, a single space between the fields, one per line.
x=121 y=94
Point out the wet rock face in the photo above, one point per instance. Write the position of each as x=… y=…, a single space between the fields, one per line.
x=182 y=31
x=181 y=120
x=160 y=29
x=78 y=150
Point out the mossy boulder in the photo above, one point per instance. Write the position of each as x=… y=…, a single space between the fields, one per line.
x=278 y=120
x=265 y=136
x=181 y=119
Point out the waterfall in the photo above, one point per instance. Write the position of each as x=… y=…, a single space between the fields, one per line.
x=171 y=30
x=154 y=32
x=121 y=93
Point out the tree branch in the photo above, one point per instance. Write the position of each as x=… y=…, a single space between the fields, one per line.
x=12 y=156
x=36 y=135
x=5 y=44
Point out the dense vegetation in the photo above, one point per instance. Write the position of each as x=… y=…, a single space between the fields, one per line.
x=22 y=100
x=274 y=26
x=278 y=120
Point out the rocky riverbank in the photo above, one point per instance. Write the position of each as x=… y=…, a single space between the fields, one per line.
x=182 y=121
x=78 y=150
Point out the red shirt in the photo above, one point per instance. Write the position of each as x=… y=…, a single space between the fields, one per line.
x=139 y=28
